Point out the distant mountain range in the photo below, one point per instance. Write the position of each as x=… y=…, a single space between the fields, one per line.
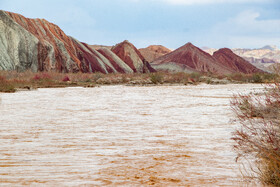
x=39 y=45
x=190 y=58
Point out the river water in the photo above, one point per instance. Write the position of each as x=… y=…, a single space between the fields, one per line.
x=120 y=136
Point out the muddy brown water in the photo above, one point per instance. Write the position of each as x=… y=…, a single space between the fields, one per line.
x=120 y=136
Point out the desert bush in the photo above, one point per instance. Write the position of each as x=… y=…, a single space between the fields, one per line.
x=270 y=77
x=259 y=135
x=196 y=76
x=239 y=77
x=156 y=78
x=257 y=78
x=42 y=77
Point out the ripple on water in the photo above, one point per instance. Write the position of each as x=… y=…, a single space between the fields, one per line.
x=117 y=135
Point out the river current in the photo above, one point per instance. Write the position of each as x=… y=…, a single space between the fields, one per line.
x=120 y=136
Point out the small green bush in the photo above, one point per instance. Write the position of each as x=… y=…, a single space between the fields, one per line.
x=156 y=78
x=256 y=78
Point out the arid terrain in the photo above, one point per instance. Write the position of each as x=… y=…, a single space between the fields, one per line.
x=75 y=113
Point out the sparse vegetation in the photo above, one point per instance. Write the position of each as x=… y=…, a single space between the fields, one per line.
x=5 y=86
x=11 y=80
x=258 y=139
x=254 y=78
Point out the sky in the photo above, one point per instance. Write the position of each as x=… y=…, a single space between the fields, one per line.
x=172 y=23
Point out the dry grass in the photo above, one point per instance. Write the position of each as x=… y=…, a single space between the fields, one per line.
x=254 y=78
x=259 y=136
x=12 y=80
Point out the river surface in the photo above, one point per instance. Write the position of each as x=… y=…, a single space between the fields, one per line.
x=120 y=136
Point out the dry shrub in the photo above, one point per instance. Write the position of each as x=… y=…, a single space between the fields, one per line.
x=66 y=78
x=259 y=135
x=195 y=76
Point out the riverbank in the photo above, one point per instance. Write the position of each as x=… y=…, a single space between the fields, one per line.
x=11 y=81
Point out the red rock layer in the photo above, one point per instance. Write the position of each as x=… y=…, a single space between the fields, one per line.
x=226 y=57
x=132 y=57
x=48 y=33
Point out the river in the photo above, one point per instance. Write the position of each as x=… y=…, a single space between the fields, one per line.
x=120 y=136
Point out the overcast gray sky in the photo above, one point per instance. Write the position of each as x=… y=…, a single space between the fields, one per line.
x=172 y=23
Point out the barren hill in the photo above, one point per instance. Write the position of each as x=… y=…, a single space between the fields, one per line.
x=153 y=52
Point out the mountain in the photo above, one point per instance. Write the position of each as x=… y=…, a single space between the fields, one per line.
x=190 y=58
x=153 y=52
x=275 y=68
x=270 y=47
x=132 y=57
x=226 y=57
x=39 y=45
x=209 y=50
x=118 y=63
x=261 y=58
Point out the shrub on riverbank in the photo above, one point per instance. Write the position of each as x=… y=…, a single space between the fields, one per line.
x=259 y=135
x=5 y=86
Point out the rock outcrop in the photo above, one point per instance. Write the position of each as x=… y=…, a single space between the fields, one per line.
x=190 y=58
x=97 y=47
x=239 y=65
x=132 y=57
x=18 y=47
x=153 y=52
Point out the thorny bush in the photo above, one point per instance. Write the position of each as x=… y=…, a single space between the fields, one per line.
x=259 y=135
